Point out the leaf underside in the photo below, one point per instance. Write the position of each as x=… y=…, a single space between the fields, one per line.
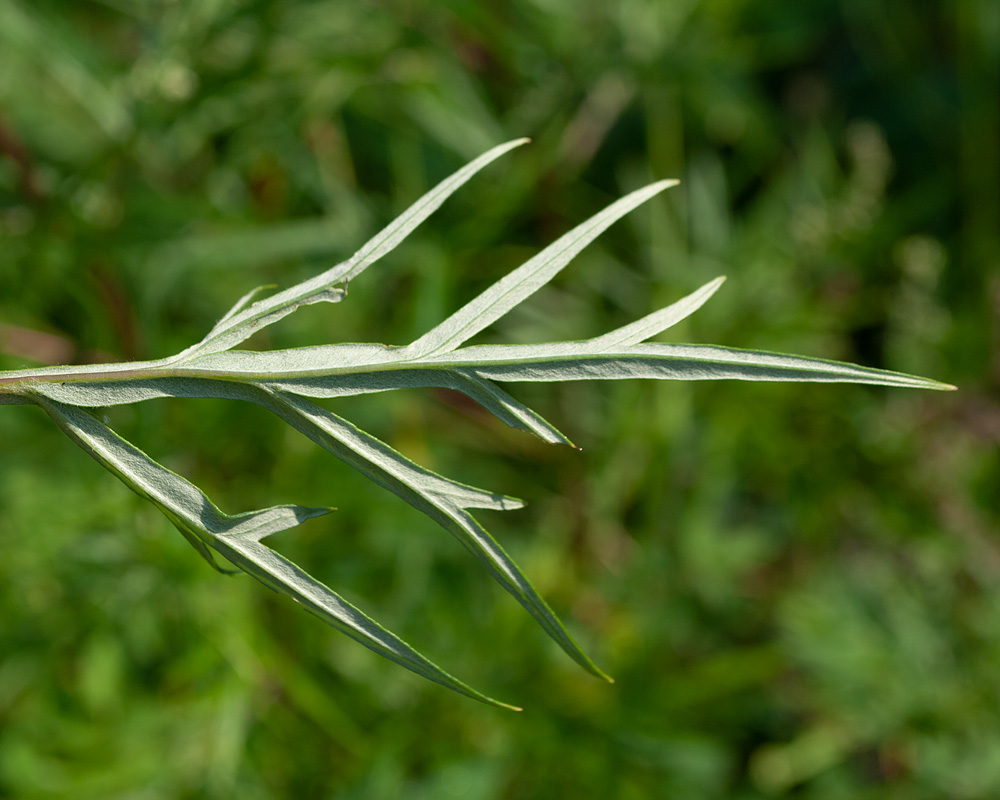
x=286 y=382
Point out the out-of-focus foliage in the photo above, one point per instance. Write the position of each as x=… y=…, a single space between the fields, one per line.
x=796 y=588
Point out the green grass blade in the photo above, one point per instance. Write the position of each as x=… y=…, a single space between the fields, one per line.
x=510 y=290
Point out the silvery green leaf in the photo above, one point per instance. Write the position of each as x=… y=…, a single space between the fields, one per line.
x=277 y=572
x=238 y=539
x=572 y=361
x=325 y=372
x=400 y=228
x=22 y=379
x=109 y=394
x=374 y=458
x=238 y=306
x=658 y=321
x=510 y=290
x=317 y=360
x=490 y=396
x=424 y=491
x=300 y=369
x=323 y=287
x=99 y=393
x=443 y=500
x=501 y=404
x=184 y=503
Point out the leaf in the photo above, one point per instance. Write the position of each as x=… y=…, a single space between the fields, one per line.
x=322 y=288
x=422 y=490
x=443 y=500
x=503 y=406
x=186 y=505
x=238 y=538
x=323 y=371
x=575 y=361
x=373 y=458
x=658 y=321
x=237 y=307
x=510 y=290
x=277 y=572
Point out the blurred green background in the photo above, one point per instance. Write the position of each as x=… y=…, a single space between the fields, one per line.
x=797 y=587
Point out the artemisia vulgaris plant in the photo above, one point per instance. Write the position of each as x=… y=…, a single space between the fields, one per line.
x=288 y=382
